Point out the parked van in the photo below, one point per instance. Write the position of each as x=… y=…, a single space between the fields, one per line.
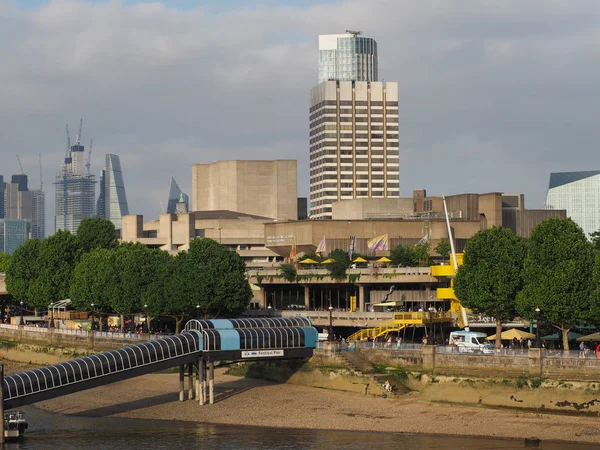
x=470 y=342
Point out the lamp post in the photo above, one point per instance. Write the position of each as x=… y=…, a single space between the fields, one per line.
x=93 y=325
x=22 y=323
x=146 y=321
x=537 y=328
x=51 y=324
x=431 y=340
x=330 y=330
x=197 y=311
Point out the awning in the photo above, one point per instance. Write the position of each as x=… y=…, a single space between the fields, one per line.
x=509 y=335
x=308 y=261
x=328 y=261
x=558 y=336
x=387 y=304
x=590 y=337
x=383 y=259
x=360 y=260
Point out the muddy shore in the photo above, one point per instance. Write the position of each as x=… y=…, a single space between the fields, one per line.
x=241 y=401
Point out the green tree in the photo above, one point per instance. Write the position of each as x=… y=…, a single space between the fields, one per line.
x=159 y=300
x=96 y=232
x=23 y=271
x=490 y=277
x=57 y=259
x=210 y=280
x=4 y=262
x=595 y=238
x=402 y=255
x=443 y=249
x=341 y=261
x=136 y=267
x=557 y=275
x=420 y=253
x=312 y=256
x=94 y=280
x=288 y=272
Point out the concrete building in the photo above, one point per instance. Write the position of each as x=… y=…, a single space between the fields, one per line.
x=18 y=199
x=259 y=188
x=579 y=194
x=353 y=143
x=112 y=201
x=13 y=234
x=175 y=194
x=347 y=57
x=75 y=196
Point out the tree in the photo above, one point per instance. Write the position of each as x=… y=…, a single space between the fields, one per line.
x=490 y=277
x=210 y=279
x=595 y=238
x=420 y=253
x=341 y=261
x=94 y=280
x=23 y=271
x=288 y=272
x=4 y=262
x=402 y=255
x=135 y=266
x=96 y=232
x=557 y=276
x=443 y=249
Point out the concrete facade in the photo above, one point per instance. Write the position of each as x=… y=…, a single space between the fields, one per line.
x=262 y=188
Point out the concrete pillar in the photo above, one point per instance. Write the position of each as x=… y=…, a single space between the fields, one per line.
x=91 y=335
x=181 y=376
x=536 y=361
x=199 y=378
x=190 y=380
x=306 y=297
x=429 y=358
x=211 y=382
x=361 y=298
x=203 y=382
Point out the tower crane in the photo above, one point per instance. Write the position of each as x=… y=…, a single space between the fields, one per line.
x=41 y=175
x=20 y=165
x=89 y=158
x=354 y=33
x=68 y=142
x=79 y=133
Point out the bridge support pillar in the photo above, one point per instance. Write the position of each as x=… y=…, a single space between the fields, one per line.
x=202 y=381
x=181 y=379
x=190 y=381
x=198 y=381
x=211 y=382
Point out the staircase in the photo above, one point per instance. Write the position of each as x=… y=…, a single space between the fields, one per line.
x=383 y=329
x=356 y=361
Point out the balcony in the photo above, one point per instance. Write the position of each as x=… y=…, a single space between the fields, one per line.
x=442 y=271
x=445 y=294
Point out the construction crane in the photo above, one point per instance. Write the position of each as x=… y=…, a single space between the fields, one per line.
x=68 y=142
x=354 y=33
x=20 y=165
x=88 y=163
x=41 y=175
x=79 y=133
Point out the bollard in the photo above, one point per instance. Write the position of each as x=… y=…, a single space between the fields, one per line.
x=211 y=382
x=190 y=380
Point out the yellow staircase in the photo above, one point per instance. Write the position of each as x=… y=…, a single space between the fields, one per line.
x=385 y=328
x=448 y=293
x=400 y=321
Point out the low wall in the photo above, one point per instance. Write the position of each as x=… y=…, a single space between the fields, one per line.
x=404 y=358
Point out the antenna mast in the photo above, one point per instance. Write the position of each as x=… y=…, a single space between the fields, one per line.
x=79 y=133
x=20 y=165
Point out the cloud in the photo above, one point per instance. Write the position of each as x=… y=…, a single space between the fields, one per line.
x=501 y=93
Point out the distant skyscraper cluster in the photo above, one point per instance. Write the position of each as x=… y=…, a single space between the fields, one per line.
x=112 y=200
x=22 y=212
x=353 y=118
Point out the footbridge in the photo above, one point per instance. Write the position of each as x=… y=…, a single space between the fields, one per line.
x=199 y=346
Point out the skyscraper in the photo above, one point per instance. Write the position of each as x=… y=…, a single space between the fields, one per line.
x=2 y=189
x=75 y=190
x=13 y=233
x=347 y=57
x=353 y=128
x=112 y=201
x=579 y=194
x=174 y=196
x=38 y=220
x=18 y=199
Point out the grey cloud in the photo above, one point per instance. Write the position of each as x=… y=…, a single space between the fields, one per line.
x=493 y=95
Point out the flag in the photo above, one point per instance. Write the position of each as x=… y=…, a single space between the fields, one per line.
x=423 y=240
x=322 y=245
x=294 y=251
x=352 y=247
x=378 y=243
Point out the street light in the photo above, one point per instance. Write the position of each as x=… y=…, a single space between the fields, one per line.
x=197 y=311
x=146 y=313
x=431 y=340
x=330 y=331
x=51 y=324
x=22 y=323
x=93 y=327
x=537 y=328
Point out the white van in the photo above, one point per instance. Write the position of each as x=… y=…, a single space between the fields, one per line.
x=470 y=342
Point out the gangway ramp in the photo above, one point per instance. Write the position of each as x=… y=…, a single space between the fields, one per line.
x=400 y=321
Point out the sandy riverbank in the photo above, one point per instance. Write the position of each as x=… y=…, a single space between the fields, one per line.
x=242 y=401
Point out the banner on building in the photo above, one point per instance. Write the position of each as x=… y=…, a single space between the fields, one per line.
x=352 y=247
x=378 y=243
x=322 y=246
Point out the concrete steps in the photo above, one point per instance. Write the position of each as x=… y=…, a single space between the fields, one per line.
x=356 y=361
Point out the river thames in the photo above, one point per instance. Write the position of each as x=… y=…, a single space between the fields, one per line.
x=52 y=431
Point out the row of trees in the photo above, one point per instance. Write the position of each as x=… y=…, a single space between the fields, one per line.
x=554 y=276
x=93 y=268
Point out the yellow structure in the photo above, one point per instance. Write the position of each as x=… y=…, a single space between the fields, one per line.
x=448 y=293
x=400 y=321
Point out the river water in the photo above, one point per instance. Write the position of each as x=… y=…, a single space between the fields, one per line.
x=55 y=431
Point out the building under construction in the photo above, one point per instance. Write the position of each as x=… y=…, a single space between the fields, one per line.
x=75 y=187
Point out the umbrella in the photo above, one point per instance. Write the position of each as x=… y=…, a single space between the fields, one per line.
x=383 y=259
x=557 y=337
x=511 y=334
x=328 y=261
x=308 y=261
x=589 y=337
x=360 y=260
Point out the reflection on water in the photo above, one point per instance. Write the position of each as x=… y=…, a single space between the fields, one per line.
x=51 y=431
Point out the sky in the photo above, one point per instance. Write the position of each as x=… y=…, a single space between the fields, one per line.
x=493 y=95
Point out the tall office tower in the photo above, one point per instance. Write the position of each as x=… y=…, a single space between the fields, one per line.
x=347 y=57
x=18 y=199
x=38 y=221
x=175 y=194
x=75 y=190
x=112 y=201
x=2 y=189
x=579 y=194
x=13 y=233
x=353 y=143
